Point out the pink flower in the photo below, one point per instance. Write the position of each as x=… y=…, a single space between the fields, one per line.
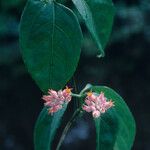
x=67 y=94
x=96 y=114
x=96 y=104
x=54 y=100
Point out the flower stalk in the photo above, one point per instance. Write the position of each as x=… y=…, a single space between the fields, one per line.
x=69 y=124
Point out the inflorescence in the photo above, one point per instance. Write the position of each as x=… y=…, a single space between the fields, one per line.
x=95 y=103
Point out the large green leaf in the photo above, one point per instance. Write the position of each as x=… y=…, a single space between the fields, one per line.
x=98 y=16
x=46 y=127
x=50 y=39
x=115 y=130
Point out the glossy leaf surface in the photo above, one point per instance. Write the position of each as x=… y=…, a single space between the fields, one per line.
x=98 y=17
x=50 y=39
x=46 y=127
x=115 y=130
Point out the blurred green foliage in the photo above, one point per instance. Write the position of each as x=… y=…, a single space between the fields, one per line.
x=9 y=28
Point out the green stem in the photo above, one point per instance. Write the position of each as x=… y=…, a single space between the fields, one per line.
x=69 y=124
x=76 y=103
x=75 y=85
x=74 y=116
x=82 y=93
x=87 y=87
x=76 y=95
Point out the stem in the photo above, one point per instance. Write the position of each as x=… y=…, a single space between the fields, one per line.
x=69 y=124
x=76 y=95
x=76 y=103
x=82 y=94
x=74 y=116
x=87 y=87
x=75 y=85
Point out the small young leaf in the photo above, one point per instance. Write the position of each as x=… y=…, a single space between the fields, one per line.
x=115 y=129
x=46 y=127
x=98 y=16
x=50 y=39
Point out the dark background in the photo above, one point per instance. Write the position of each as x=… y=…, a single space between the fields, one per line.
x=125 y=68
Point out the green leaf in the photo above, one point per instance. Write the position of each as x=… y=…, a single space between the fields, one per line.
x=50 y=39
x=98 y=16
x=61 y=1
x=46 y=127
x=115 y=129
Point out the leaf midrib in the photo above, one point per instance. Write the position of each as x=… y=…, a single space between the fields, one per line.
x=52 y=47
x=94 y=29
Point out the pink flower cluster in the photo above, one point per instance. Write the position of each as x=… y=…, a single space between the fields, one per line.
x=96 y=104
x=54 y=100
